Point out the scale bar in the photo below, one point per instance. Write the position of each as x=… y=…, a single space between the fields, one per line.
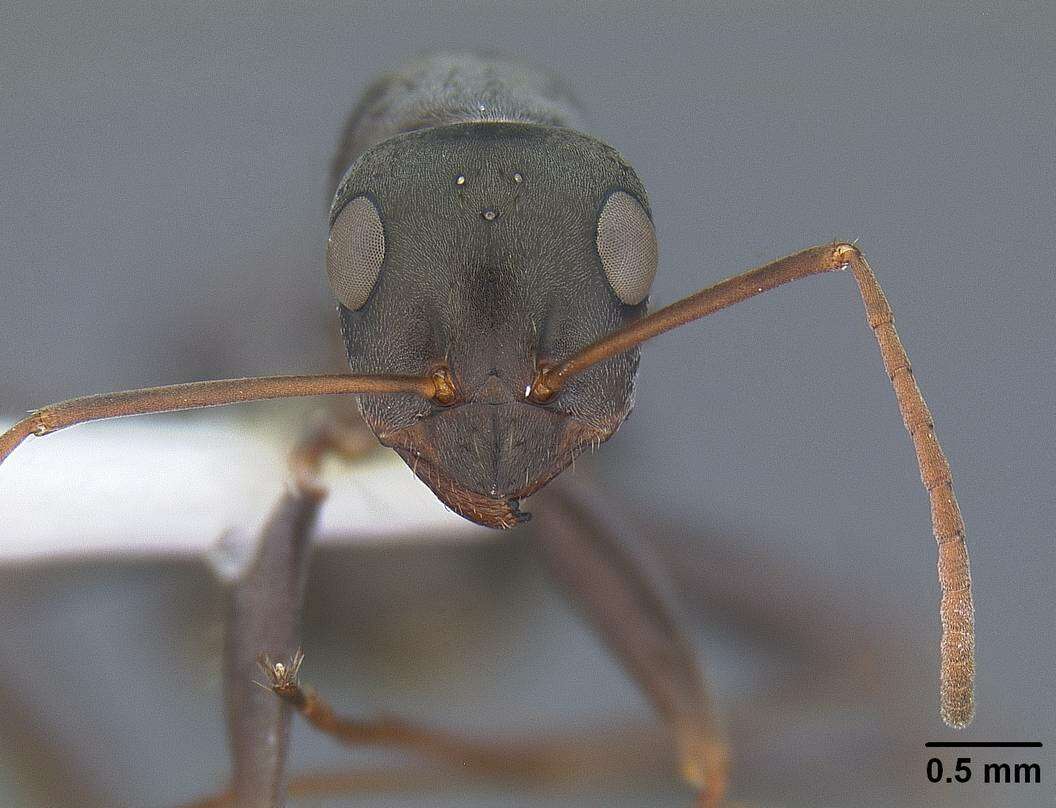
x=985 y=744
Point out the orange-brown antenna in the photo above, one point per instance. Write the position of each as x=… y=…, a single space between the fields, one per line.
x=193 y=395
x=957 y=649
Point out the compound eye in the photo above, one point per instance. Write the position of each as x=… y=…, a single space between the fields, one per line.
x=355 y=252
x=627 y=247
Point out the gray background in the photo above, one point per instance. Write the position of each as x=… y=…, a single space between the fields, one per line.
x=162 y=218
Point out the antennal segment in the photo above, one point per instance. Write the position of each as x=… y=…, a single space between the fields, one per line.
x=194 y=395
x=957 y=648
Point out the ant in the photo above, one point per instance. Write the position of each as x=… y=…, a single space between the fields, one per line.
x=492 y=265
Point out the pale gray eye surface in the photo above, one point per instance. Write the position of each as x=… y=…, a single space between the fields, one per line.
x=355 y=252
x=627 y=246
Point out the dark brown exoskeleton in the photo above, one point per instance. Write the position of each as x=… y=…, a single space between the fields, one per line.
x=493 y=247
x=492 y=265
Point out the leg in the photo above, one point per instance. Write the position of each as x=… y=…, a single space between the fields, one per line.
x=265 y=612
x=486 y=758
x=591 y=550
x=626 y=756
x=956 y=611
x=263 y=630
x=265 y=616
x=675 y=684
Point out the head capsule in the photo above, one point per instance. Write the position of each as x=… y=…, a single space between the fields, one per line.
x=490 y=249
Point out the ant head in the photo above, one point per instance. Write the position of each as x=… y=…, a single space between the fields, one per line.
x=491 y=250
